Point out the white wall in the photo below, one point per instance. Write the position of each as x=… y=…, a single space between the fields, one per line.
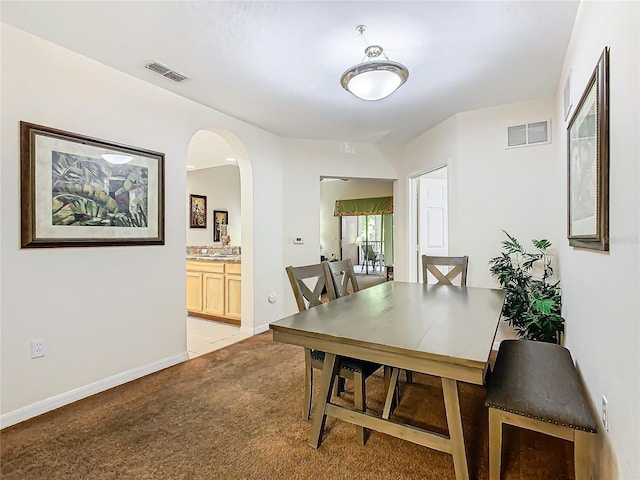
x=330 y=191
x=221 y=186
x=305 y=161
x=491 y=188
x=433 y=149
x=108 y=314
x=601 y=290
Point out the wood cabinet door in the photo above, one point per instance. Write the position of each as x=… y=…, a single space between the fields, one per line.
x=234 y=297
x=194 y=291
x=213 y=294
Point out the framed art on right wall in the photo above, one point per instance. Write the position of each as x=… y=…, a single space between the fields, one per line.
x=588 y=164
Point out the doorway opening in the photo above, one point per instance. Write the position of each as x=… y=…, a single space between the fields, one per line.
x=432 y=225
x=217 y=289
x=356 y=223
x=367 y=240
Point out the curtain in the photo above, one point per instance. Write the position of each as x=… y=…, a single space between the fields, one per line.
x=363 y=206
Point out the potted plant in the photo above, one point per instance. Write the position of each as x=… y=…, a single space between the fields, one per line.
x=532 y=304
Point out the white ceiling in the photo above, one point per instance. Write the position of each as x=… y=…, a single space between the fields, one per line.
x=277 y=64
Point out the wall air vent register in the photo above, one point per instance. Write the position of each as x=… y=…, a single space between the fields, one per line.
x=528 y=134
x=167 y=72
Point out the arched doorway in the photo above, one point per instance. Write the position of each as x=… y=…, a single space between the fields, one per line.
x=213 y=153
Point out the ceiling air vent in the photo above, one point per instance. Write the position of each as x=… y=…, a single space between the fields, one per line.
x=167 y=72
x=528 y=134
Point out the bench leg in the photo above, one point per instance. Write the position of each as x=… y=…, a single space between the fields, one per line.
x=582 y=454
x=495 y=443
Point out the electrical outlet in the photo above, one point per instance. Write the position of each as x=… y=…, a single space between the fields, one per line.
x=37 y=348
x=605 y=413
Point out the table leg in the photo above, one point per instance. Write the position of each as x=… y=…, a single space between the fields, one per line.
x=329 y=372
x=456 y=436
x=360 y=403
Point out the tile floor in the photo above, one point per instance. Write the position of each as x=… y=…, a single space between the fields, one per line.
x=204 y=336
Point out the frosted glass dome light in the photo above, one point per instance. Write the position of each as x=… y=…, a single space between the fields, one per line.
x=374 y=79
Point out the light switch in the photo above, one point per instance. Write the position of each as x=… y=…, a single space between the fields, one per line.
x=298 y=240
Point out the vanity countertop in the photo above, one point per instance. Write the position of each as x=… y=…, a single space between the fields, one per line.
x=215 y=258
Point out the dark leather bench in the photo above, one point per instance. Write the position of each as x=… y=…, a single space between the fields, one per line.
x=535 y=385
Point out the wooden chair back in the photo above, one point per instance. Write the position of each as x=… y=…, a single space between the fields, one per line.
x=431 y=265
x=300 y=279
x=344 y=279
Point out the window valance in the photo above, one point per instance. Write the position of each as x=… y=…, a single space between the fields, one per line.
x=363 y=206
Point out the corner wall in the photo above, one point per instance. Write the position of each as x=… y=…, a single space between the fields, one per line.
x=601 y=291
x=491 y=188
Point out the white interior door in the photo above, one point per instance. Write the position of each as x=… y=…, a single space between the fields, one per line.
x=348 y=240
x=433 y=232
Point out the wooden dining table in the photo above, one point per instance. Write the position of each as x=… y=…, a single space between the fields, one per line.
x=440 y=330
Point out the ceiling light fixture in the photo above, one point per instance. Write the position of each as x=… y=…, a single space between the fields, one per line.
x=376 y=77
x=116 y=158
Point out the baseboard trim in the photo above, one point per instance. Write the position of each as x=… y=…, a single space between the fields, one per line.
x=60 y=400
x=254 y=330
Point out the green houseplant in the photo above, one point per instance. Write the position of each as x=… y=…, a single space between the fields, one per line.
x=532 y=303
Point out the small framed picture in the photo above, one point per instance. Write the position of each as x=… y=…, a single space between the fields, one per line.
x=220 y=217
x=198 y=211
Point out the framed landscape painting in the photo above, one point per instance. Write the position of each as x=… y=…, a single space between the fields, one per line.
x=198 y=209
x=588 y=164
x=79 y=191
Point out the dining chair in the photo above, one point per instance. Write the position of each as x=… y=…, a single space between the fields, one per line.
x=372 y=258
x=436 y=266
x=343 y=277
x=350 y=368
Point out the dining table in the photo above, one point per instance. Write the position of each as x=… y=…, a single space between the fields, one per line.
x=441 y=330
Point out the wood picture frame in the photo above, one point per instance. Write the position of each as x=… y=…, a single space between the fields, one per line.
x=197 y=211
x=80 y=191
x=219 y=217
x=588 y=164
